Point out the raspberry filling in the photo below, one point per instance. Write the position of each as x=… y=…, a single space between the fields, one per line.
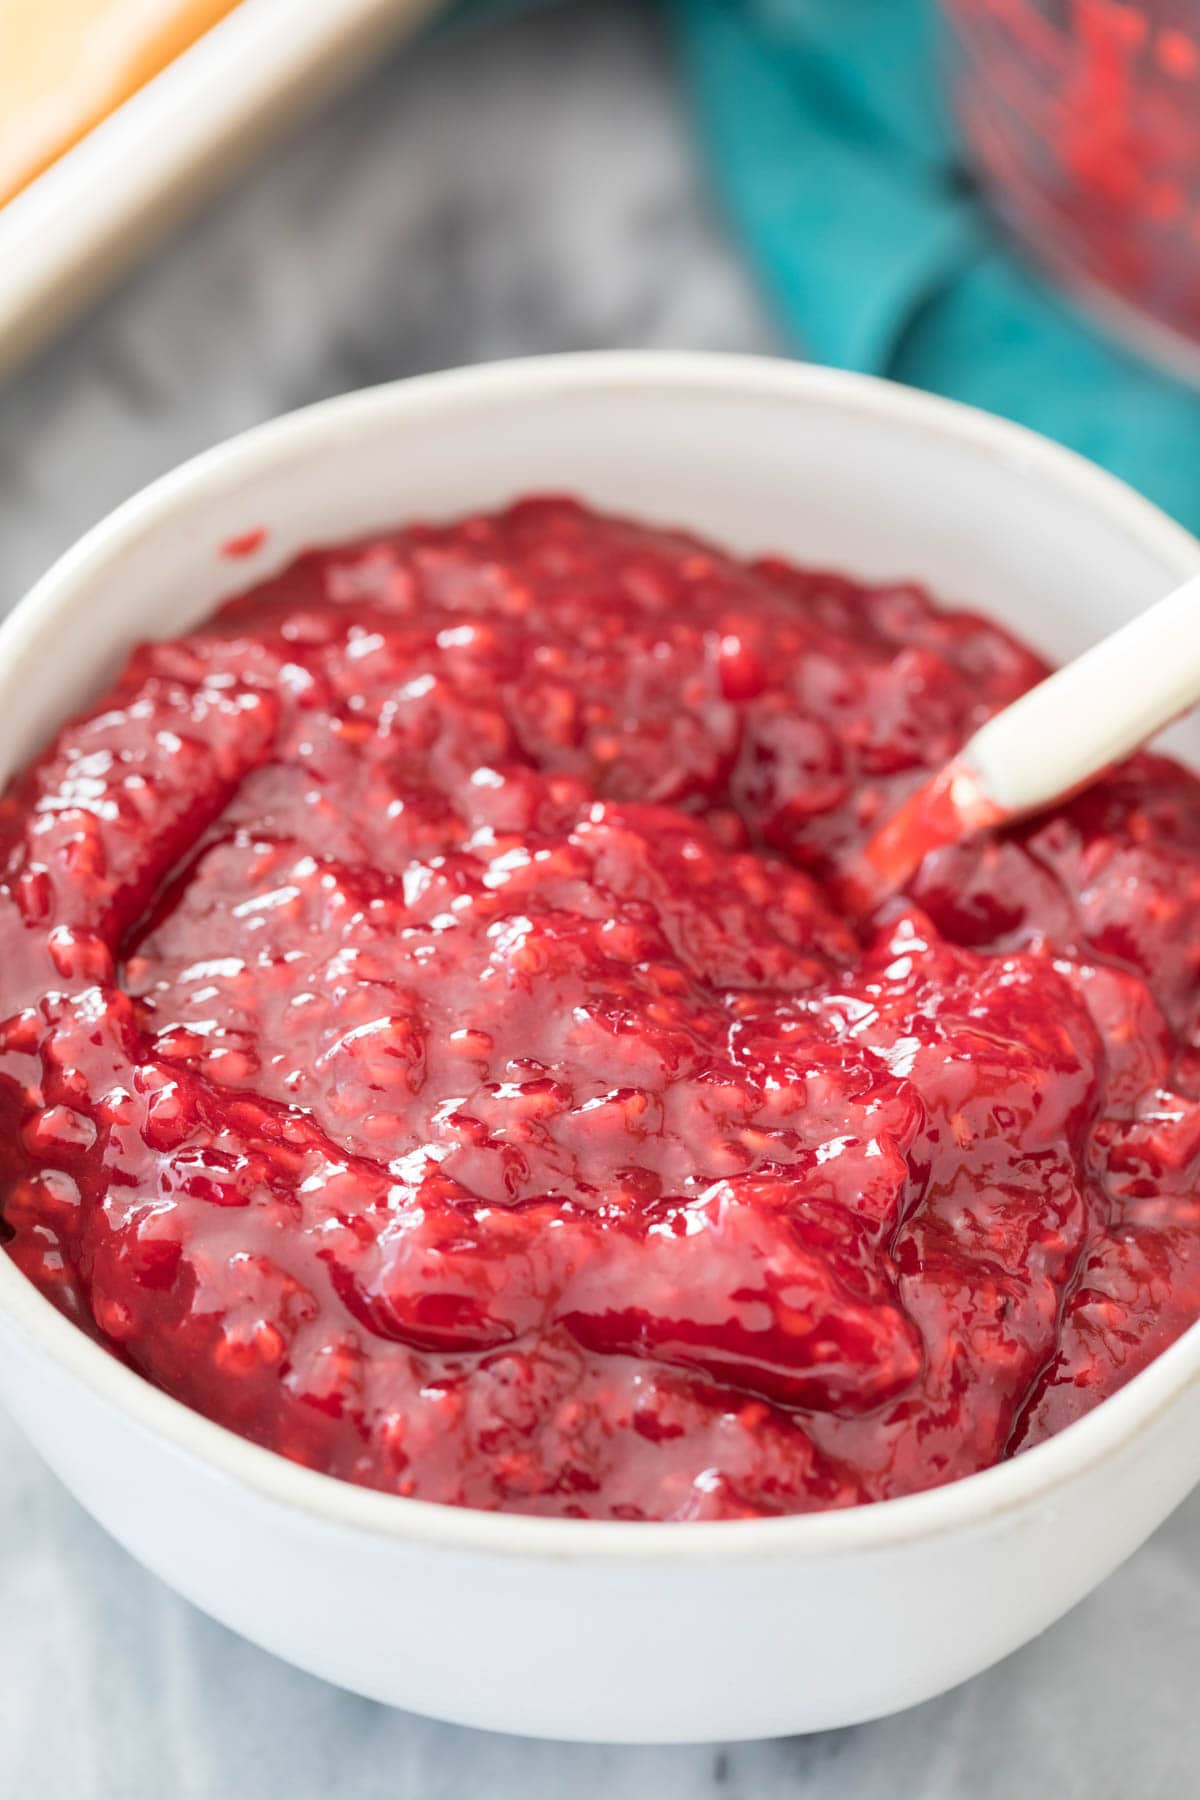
x=433 y=1046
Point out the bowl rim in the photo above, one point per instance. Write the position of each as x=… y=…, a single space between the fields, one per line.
x=973 y=1502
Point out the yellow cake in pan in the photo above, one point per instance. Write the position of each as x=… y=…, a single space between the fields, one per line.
x=65 y=65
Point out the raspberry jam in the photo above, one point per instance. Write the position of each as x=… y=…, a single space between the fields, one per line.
x=433 y=1048
x=1083 y=116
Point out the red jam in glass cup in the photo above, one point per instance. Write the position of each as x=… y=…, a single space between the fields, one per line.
x=1084 y=119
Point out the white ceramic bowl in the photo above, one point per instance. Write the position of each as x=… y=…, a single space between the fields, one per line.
x=570 y=1628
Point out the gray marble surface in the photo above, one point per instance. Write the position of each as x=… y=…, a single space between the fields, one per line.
x=525 y=189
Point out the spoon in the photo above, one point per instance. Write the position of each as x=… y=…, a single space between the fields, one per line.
x=1053 y=741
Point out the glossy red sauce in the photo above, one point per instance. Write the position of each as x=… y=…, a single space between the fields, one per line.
x=950 y=806
x=431 y=1046
x=244 y=544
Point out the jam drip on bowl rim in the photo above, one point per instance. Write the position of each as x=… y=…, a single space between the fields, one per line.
x=432 y=1045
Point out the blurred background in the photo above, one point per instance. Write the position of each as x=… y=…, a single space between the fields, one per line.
x=896 y=185
x=213 y=211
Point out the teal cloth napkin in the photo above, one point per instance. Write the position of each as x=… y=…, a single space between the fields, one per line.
x=826 y=131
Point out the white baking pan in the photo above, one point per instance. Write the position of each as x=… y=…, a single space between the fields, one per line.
x=73 y=230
